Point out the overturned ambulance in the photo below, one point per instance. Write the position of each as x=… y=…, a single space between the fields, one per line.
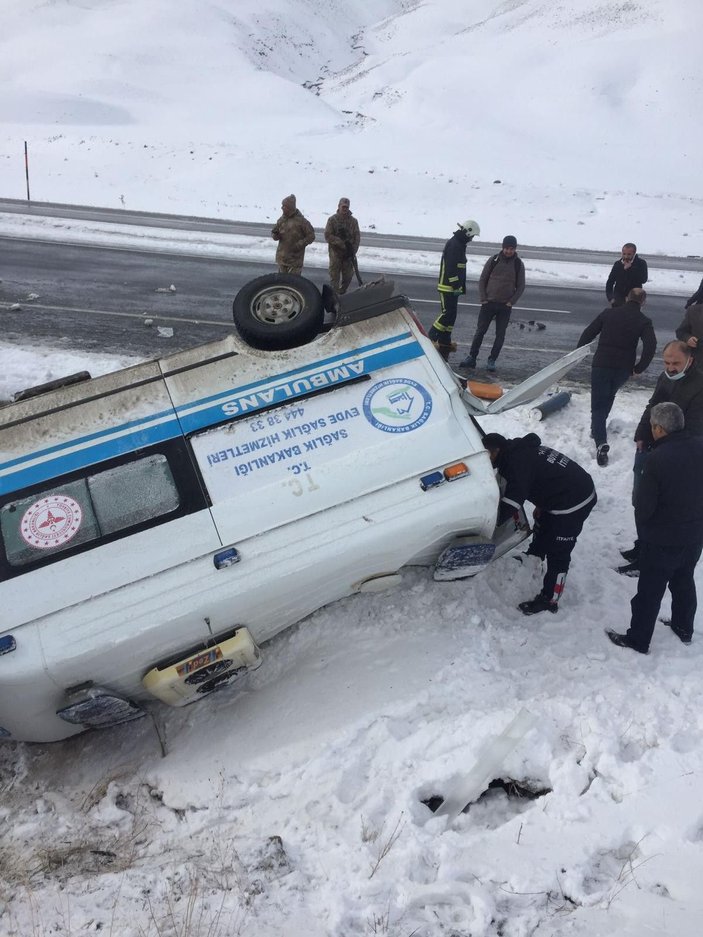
x=159 y=524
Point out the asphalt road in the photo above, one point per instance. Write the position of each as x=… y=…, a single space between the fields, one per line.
x=99 y=299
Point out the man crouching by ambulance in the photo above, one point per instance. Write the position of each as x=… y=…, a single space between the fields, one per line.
x=563 y=495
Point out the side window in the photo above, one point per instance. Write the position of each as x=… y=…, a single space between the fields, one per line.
x=133 y=493
x=85 y=509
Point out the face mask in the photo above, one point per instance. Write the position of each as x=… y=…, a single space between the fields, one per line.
x=677 y=377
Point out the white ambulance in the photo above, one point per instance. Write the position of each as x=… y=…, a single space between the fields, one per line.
x=159 y=524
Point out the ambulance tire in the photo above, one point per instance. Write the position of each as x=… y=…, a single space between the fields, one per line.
x=278 y=311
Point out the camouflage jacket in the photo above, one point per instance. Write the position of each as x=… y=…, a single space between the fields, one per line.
x=342 y=234
x=293 y=235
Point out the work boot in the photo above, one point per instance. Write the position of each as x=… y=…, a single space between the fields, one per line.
x=491 y=364
x=540 y=603
x=445 y=348
x=468 y=362
x=622 y=640
x=602 y=454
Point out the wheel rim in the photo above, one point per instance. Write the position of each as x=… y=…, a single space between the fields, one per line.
x=277 y=306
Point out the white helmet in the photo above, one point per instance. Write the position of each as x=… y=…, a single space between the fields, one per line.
x=470 y=227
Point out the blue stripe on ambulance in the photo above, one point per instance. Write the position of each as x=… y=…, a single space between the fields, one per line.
x=83 y=451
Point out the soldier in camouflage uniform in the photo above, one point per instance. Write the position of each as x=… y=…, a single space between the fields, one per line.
x=293 y=232
x=342 y=235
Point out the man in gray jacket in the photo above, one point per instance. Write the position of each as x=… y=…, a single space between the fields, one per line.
x=500 y=285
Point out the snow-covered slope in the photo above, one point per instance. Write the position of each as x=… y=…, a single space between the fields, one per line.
x=568 y=123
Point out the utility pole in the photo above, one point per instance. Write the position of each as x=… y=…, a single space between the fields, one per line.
x=26 y=169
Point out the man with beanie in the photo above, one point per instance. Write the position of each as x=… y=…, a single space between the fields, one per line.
x=563 y=495
x=627 y=273
x=342 y=236
x=620 y=329
x=451 y=285
x=293 y=232
x=500 y=285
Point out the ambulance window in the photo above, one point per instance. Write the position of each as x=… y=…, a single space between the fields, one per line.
x=86 y=509
x=133 y=493
x=48 y=522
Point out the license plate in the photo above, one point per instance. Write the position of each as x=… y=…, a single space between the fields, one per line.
x=195 y=663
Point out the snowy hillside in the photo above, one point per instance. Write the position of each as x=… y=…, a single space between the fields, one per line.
x=569 y=123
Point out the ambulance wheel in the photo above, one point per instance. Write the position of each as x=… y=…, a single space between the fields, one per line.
x=278 y=311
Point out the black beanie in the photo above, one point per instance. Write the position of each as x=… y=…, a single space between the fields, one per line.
x=509 y=240
x=494 y=441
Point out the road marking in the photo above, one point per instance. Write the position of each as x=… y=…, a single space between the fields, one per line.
x=561 y=312
x=125 y=315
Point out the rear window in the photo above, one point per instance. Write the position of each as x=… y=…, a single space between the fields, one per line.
x=85 y=509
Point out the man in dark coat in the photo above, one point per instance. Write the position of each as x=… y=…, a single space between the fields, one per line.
x=620 y=331
x=697 y=296
x=563 y=495
x=669 y=516
x=501 y=284
x=691 y=328
x=627 y=273
x=681 y=383
x=451 y=285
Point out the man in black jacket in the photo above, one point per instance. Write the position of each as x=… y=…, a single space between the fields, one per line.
x=614 y=362
x=691 y=328
x=697 y=296
x=627 y=273
x=681 y=383
x=563 y=495
x=451 y=285
x=669 y=517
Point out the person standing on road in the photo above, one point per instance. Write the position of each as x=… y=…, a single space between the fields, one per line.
x=501 y=284
x=563 y=495
x=343 y=237
x=451 y=285
x=669 y=517
x=620 y=329
x=293 y=232
x=627 y=273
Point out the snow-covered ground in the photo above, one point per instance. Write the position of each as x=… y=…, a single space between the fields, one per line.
x=570 y=123
x=293 y=805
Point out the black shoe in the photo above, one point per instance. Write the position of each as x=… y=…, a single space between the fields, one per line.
x=602 y=454
x=630 y=569
x=468 y=362
x=631 y=555
x=540 y=603
x=681 y=635
x=622 y=640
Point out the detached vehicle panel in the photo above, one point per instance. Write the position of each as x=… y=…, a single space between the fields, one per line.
x=159 y=523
